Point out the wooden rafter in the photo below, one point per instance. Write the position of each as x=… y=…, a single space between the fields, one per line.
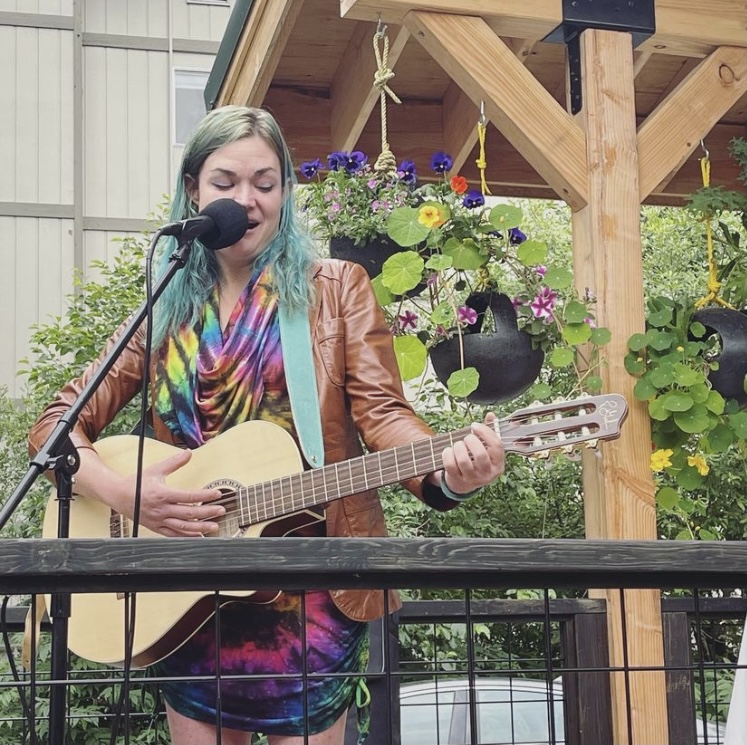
x=670 y=134
x=260 y=47
x=488 y=71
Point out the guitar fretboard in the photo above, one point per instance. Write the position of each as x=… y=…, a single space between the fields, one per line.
x=271 y=499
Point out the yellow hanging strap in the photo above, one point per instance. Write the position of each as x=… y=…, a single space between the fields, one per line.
x=713 y=284
x=386 y=163
x=482 y=164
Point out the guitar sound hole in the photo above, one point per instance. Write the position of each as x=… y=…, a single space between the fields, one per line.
x=229 y=523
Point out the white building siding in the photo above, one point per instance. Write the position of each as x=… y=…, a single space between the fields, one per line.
x=52 y=219
x=126 y=150
x=36 y=278
x=36 y=120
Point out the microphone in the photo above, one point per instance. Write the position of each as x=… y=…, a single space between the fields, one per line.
x=221 y=224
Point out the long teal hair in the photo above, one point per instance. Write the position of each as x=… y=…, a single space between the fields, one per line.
x=291 y=252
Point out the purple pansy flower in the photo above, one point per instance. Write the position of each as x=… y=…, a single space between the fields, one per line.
x=407 y=172
x=336 y=160
x=441 y=162
x=516 y=236
x=408 y=320
x=310 y=168
x=355 y=161
x=544 y=304
x=466 y=315
x=473 y=199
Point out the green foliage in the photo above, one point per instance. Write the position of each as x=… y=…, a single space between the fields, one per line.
x=60 y=349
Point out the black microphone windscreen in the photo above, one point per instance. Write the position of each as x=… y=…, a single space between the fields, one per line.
x=229 y=224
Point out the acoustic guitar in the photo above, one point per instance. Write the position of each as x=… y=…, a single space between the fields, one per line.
x=258 y=468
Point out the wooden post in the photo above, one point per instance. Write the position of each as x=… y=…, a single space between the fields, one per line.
x=618 y=484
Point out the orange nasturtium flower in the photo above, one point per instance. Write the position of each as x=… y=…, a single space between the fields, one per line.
x=431 y=216
x=698 y=462
x=459 y=184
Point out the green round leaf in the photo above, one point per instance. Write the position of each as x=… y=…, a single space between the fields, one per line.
x=532 y=253
x=720 y=438
x=443 y=314
x=675 y=401
x=561 y=357
x=439 y=262
x=464 y=254
x=667 y=498
x=637 y=342
x=383 y=296
x=657 y=411
x=685 y=376
x=660 y=318
x=411 y=356
x=593 y=383
x=540 y=392
x=600 y=336
x=700 y=392
x=558 y=278
x=694 y=420
x=463 y=382
x=662 y=376
x=402 y=272
x=575 y=312
x=403 y=227
x=660 y=340
x=643 y=390
x=689 y=478
x=633 y=363
x=715 y=402
x=504 y=217
x=577 y=333
x=697 y=329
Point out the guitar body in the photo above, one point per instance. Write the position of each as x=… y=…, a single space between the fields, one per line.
x=249 y=453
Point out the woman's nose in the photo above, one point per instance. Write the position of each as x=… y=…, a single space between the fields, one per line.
x=244 y=195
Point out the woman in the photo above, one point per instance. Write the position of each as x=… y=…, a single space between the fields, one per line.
x=218 y=362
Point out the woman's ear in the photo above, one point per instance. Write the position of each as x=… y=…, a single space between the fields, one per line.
x=190 y=187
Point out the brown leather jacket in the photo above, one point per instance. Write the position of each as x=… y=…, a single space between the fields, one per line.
x=359 y=393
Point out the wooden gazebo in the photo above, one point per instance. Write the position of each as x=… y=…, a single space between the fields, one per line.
x=602 y=104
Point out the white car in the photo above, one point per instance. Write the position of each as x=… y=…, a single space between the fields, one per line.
x=509 y=710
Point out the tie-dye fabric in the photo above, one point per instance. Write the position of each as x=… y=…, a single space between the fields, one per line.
x=206 y=382
x=266 y=640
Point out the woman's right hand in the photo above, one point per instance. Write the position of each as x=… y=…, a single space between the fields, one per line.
x=163 y=509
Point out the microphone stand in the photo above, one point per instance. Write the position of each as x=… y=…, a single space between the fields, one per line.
x=60 y=455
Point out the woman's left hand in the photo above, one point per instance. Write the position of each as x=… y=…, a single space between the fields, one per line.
x=475 y=461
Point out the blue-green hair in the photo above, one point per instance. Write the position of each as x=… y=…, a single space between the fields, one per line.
x=291 y=252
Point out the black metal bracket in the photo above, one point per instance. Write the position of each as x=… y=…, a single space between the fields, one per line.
x=636 y=17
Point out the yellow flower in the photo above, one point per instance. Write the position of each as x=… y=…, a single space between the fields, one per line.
x=680 y=349
x=660 y=459
x=698 y=462
x=431 y=216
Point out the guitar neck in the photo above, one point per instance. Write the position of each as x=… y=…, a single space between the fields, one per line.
x=527 y=431
x=272 y=499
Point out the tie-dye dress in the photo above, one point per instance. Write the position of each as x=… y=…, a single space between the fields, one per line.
x=276 y=676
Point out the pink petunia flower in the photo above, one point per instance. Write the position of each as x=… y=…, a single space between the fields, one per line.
x=466 y=315
x=544 y=304
x=408 y=320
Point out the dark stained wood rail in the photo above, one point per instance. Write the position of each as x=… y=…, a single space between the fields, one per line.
x=93 y=565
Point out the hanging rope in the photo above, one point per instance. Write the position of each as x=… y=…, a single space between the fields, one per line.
x=482 y=164
x=713 y=284
x=386 y=163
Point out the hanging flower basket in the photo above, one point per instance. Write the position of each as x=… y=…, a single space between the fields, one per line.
x=731 y=326
x=505 y=359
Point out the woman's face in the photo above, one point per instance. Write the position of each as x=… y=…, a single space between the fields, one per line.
x=247 y=171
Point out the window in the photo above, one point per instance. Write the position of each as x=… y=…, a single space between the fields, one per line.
x=189 y=103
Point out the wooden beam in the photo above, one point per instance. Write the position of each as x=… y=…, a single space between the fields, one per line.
x=618 y=486
x=258 y=52
x=352 y=91
x=683 y=27
x=487 y=70
x=674 y=129
x=460 y=117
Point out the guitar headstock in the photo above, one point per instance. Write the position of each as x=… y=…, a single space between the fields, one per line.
x=564 y=424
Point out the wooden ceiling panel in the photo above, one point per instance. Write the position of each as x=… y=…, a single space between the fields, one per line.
x=305 y=88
